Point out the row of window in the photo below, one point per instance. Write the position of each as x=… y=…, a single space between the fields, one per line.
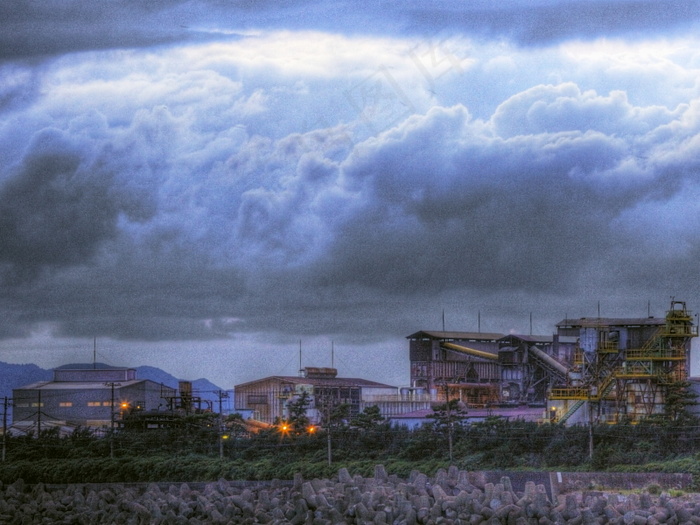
x=66 y=404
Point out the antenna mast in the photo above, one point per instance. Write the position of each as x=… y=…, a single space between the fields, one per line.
x=301 y=370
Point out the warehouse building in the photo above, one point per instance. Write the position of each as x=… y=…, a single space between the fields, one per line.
x=86 y=397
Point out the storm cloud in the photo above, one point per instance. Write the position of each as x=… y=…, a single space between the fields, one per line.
x=32 y=30
x=205 y=171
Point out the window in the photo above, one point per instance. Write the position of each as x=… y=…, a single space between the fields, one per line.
x=94 y=403
x=257 y=399
x=66 y=404
x=37 y=404
x=106 y=403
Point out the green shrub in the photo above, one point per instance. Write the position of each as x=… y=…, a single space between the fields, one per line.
x=653 y=489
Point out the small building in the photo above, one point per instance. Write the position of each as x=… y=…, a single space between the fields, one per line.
x=268 y=398
x=86 y=397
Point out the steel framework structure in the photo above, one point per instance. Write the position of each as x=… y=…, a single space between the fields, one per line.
x=629 y=384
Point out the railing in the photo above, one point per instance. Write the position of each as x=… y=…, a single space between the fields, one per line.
x=395 y=397
x=569 y=393
x=583 y=393
x=672 y=376
x=666 y=354
x=608 y=347
x=680 y=330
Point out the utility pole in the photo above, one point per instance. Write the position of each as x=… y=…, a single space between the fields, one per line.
x=4 y=429
x=222 y=395
x=328 y=431
x=111 y=411
x=38 y=415
x=590 y=432
x=449 y=419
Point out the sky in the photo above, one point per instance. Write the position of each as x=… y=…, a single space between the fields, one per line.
x=235 y=189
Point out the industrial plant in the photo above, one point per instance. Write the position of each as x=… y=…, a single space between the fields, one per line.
x=592 y=370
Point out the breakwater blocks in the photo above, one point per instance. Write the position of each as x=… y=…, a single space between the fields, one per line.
x=448 y=498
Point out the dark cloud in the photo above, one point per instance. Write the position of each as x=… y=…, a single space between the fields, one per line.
x=469 y=212
x=537 y=23
x=149 y=295
x=58 y=206
x=52 y=213
x=194 y=194
x=444 y=210
x=31 y=29
x=314 y=234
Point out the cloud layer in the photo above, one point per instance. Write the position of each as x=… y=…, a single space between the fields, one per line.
x=282 y=173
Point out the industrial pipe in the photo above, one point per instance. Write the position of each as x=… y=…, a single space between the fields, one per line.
x=549 y=360
x=471 y=351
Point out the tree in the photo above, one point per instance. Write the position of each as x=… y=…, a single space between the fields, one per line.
x=298 y=420
x=446 y=416
x=235 y=426
x=340 y=414
x=370 y=418
x=679 y=398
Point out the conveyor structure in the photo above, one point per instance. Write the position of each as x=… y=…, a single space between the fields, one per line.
x=469 y=351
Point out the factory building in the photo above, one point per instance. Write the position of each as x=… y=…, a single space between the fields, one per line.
x=593 y=369
x=488 y=369
x=85 y=397
x=268 y=399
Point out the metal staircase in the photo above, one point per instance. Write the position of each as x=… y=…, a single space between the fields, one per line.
x=572 y=409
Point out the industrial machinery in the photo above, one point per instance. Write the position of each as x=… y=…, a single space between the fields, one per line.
x=625 y=371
